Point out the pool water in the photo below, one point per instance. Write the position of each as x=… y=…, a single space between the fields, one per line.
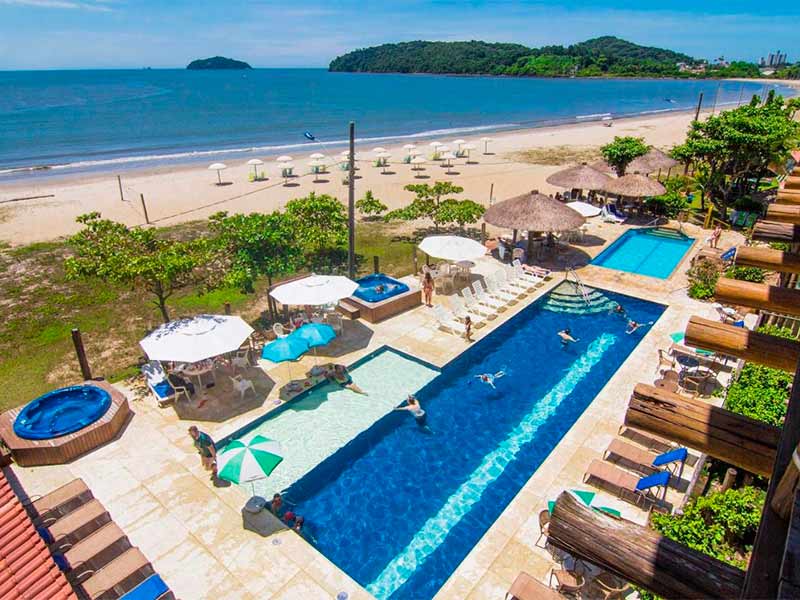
x=400 y=506
x=316 y=424
x=61 y=412
x=651 y=251
x=378 y=287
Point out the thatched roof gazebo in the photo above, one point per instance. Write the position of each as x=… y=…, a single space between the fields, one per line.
x=580 y=177
x=654 y=160
x=535 y=213
x=602 y=166
x=635 y=186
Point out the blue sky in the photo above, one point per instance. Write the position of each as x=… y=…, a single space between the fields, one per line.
x=36 y=34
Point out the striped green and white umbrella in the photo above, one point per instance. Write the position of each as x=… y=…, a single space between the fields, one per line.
x=247 y=460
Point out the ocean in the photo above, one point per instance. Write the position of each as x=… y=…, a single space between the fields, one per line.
x=59 y=122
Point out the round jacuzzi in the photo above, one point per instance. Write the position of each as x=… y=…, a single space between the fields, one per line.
x=61 y=412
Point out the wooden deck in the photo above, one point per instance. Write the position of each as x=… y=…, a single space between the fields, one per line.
x=65 y=448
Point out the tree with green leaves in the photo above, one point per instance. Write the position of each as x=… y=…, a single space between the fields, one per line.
x=320 y=221
x=138 y=257
x=431 y=202
x=734 y=149
x=622 y=151
x=253 y=245
x=369 y=205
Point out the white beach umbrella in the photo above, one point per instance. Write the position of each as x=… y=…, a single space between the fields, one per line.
x=435 y=144
x=284 y=158
x=195 y=339
x=218 y=167
x=379 y=149
x=383 y=158
x=459 y=142
x=415 y=152
x=409 y=146
x=417 y=161
x=255 y=163
x=384 y=155
x=452 y=247
x=469 y=146
x=584 y=208
x=317 y=156
x=314 y=290
x=443 y=148
x=486 y=141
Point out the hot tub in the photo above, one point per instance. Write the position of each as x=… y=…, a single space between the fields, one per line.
x=65 y=423
x=379 y=297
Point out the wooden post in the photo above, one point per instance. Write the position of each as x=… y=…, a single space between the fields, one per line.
x=736 y=439
x=787 y=487
x=351 y=205
x=758 y=295
x=730 y=479
x=699 y=105
x=144 y=208
x=227 y=308
x=376 y=264
x=483 y=233
x=639 y=554
x=767 y=350
x=77 y=341
x=491 y=193
x=119 y=183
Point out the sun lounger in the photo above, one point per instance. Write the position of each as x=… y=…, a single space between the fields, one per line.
x=642 y=460
x=484 y=298
x=648 y=440
x=448 y=320
x=608 y=216
x=461 y=312
x=525 y=283
x=159 y=385
x=491 y=291
x=526 y=587
x=152 y=588
x=497 y=289
x=532 y=273
x=71 y=528
x=119 y=576
x=96 y=550
x=474 y=306
x=59 y=502
x=627 y=485
x=510 y=285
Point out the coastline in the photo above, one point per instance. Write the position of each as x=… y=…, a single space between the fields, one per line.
x=176 y=194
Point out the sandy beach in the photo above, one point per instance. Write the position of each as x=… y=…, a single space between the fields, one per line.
x=178 y=194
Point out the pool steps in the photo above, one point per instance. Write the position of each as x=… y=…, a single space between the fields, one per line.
x=568 y=299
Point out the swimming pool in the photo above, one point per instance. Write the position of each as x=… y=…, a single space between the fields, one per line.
x=651 y=251
x=399 y=507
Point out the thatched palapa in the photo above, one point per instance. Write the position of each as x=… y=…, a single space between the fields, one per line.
x=651 y=162
x=635 y=186
x=580 y=177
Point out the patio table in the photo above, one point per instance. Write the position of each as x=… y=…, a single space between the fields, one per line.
x=198 y=370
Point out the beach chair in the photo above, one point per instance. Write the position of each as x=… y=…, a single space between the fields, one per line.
x=493 y=290
x=534 y=272
x=474 y=306
x=484 y=298
x=96 y=550
x=461 y=312
x=645 y=461
x=569 y=581
x=447 y=320
x=627 y=486
x=116 y=578
x=726 y=313
x=510 y=283
x=74 y=526
x=241 y=385
x=609 y=217
x=648 y=440
x=531 y=278
x=527 y=284
x=278 y=330
x=61 y=501
x=526 y=587
x=158 y=384
x=152 y=588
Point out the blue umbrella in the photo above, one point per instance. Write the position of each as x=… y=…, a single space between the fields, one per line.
x=314 y=334
x=285 y=348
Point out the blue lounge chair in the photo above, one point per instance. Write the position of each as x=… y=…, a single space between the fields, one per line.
x=627 y=485
x=151 y=588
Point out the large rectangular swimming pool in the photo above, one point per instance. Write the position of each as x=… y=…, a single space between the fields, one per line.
x=650 y=251
x=400 y=506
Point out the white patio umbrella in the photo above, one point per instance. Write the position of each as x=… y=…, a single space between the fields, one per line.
x=317 y=156
x=415 y=152
x=486 y=141
x=284 y=158
x=218 y=167
x=417 y=161
x=194 y=339
x=379 y=149
x=314 y=290
x=452 y=247
x=315 y=165
x=584 y=208
x=443 y=148
x=409 y=146
x=459 y=142
x=449 y=157
x=286 y=169
x=255 y=163
x=435 y=145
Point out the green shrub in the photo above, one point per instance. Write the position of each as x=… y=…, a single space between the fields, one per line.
x=369 y=205
x=703 y=278
x=753 y=274
x=722 y=524
x=748 y=204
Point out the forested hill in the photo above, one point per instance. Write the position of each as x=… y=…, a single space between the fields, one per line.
x=603 y=56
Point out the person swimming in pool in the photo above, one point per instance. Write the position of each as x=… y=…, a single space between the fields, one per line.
x=633 y=326
x=619 y=310
x=338 y=374
x=413 y=406
x=380 y=288
x=566 y=336
x=489 y=379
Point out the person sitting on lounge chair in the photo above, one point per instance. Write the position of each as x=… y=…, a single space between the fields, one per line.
x=179 y=382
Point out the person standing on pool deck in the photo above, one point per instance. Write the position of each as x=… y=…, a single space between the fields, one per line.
x=468 y=328
x=427 y=288
x=206 y=449
x=412 y=405
x=566 y=336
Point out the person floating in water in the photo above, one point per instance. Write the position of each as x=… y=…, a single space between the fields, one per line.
x=566 y=337
x=489 y=379
x=633 y=326
x=380 y=288
x=413 y=406
x=619 y=310
x=340 y=375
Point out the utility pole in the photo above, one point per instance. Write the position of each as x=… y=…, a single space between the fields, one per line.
x=699 y=106
x=119 y=183
x=351 y=205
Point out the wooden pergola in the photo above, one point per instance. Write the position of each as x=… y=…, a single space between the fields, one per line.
x=642 y=556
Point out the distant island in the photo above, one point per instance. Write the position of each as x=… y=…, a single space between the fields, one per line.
x=606 y=56
x=217 y=63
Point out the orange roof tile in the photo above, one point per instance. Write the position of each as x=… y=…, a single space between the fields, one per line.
x=27 y=570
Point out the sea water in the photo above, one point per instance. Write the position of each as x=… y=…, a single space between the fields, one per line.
x=73 y=121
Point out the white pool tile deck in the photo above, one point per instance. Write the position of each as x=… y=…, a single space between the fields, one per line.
x=151 y=481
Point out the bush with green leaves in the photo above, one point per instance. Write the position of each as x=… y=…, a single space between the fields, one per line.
x=370 y=206
x=703 y=278
x=752 y=274
x=320 y=221
x=721 y=524
x=622 y=151
x=430 y=202
x=673 y=201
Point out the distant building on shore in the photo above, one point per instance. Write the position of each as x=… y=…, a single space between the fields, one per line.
x=773 y=60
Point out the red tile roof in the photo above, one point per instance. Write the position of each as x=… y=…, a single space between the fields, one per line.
x=27 y=570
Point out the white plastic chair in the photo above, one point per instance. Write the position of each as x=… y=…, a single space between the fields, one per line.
x=472 y=304
x=447 y=320
x=534 y=278
x=514 y=279
x=485 y=298
x=241 y=385
x=461 y=312
x=508 y=285
x=494 y=290
x=277 y=329
x=334 y=319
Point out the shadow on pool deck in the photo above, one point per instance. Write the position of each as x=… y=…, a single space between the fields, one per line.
x=221 y=402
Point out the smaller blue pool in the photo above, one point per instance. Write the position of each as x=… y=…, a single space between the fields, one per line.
x=61 y=411
x=652 y=251
x=378 y=287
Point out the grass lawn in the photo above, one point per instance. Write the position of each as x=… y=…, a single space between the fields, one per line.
x=39 y=308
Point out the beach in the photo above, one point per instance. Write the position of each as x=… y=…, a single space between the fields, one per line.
x=178 y=194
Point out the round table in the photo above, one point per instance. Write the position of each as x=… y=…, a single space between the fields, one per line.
x=199 y=369
x=670 y=385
